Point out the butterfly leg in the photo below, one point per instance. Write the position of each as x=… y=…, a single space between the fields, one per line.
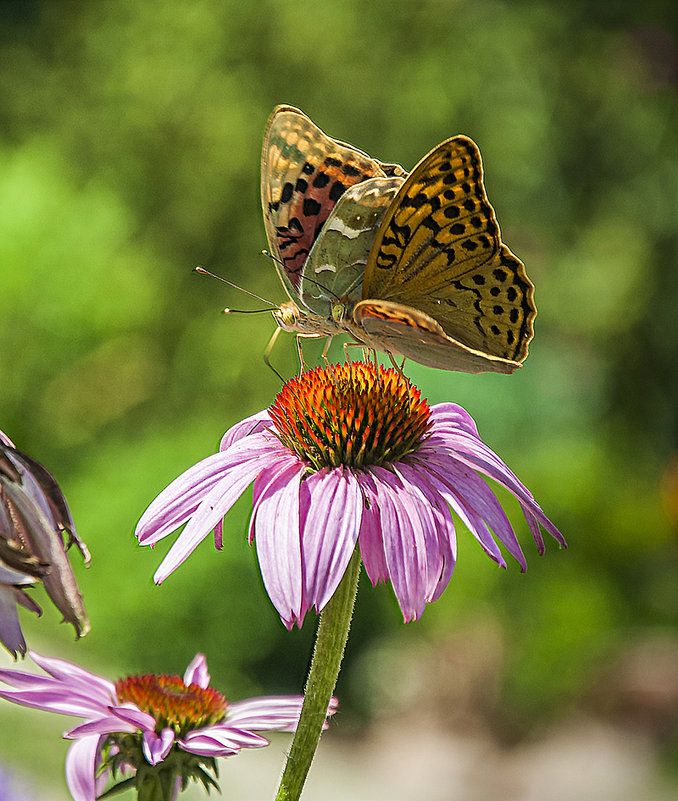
x=365 y=350
x=301 y=353
x=302 y=363
x=397 y=367
x=328 y=342
x=268 y=350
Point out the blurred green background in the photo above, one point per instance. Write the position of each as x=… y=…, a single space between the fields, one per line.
x=130 y=152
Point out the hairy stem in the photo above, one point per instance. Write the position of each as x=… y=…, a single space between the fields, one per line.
x=335 y=621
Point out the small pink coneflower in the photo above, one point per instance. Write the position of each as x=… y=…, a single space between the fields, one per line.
x=158 y=731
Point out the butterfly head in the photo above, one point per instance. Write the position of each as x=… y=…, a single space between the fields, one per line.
x=287 y=315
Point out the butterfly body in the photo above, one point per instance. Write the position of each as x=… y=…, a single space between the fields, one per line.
x=412 y=265
x=304 y=323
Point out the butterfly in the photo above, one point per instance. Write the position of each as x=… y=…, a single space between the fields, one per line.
x=411 y=265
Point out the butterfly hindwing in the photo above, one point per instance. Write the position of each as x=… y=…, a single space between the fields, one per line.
x=405 y=331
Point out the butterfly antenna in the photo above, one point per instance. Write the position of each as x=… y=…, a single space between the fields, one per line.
x=269 y=255
x=324 y=288
x=272 y=306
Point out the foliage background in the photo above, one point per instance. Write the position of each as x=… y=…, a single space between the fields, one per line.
x=130 y=138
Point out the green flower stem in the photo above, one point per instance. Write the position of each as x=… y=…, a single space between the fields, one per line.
x=335 y=621
x=156 y=783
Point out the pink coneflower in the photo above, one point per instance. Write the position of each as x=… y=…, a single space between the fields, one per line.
x=348 y=454
x=155 y=730
x=34 y=522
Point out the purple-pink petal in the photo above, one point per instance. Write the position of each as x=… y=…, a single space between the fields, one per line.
x=330 y=513
x=442 y=532
x=220 y=741
x=460 y=488
x=479 y=499
x=213 y=506
x=51 y=700
x=370 y=539
x=24 y=600
x=450 y=417
x=280 y=713
x=261 y=421
x=178 y=501
x=75 y=676
x=471 y=451
x=535 y=517
x=404 y=546
x=276 y=522
x=196 y=672
x=157 y=746
x=131 y=714
x=469 y=454
x=104 y=724
x=80 y=768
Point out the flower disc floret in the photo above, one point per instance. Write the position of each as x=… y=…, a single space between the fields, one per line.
x=352 y=414
x=172 y=703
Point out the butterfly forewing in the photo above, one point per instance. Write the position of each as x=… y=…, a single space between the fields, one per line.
x=438 y=250
x=304 y=173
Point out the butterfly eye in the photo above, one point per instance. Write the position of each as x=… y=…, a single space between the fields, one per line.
x=290 y=316
x=287 y=316
x=338 y=312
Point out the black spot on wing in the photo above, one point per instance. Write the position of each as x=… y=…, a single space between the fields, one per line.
x=337 y=190
x=311 y=207
x=350 y=170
